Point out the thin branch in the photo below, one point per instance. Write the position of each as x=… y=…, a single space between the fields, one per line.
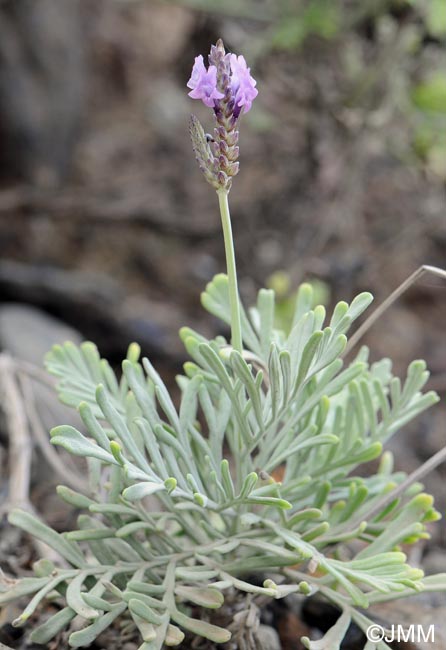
x=20 y=443
x=422 y=270
x=39 y=433
x=424 y=469
x=39 y=374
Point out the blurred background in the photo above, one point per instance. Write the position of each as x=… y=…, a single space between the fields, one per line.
x=107 y=225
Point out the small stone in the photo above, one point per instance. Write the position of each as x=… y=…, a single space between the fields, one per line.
x=28 y=333
x=434 y=562
x=267 y=638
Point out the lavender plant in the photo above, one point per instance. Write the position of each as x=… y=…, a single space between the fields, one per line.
x=185 y=506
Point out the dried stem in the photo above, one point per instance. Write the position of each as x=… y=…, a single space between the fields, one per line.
x=20 y=444
x=404 y=286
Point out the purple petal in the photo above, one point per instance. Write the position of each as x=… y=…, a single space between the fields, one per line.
x=204 y=83
x=198 y=71
x=243 y=85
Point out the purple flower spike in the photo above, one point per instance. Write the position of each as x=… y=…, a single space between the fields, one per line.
x=242 y=84
x=204 y=83
x=227 y=87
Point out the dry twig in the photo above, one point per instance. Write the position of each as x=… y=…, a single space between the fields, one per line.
x=25 y=428
x=399 y=291
x=20 y=442
x=70 y=478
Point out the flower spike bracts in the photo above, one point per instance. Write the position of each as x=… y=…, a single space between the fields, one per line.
x=228 y=87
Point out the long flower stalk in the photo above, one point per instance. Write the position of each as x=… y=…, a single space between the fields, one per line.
x=227 y=87
x=234 y=300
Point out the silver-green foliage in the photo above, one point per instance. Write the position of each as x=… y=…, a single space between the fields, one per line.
x=186 y=503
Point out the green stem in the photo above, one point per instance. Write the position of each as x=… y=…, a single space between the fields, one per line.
x=234 y=301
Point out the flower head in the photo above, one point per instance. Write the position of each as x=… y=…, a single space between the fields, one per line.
x=204 y=83
x=227 y=87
